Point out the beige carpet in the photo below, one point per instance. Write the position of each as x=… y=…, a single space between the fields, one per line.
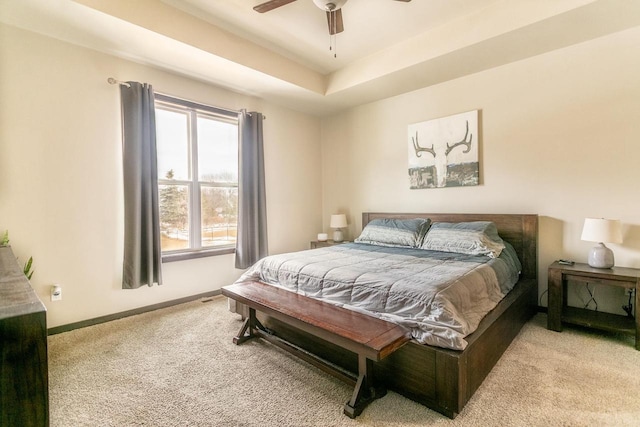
x=178 y=367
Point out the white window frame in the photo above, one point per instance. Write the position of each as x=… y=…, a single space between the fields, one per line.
x=193 y=110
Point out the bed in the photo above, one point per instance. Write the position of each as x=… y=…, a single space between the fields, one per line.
x=443 y=379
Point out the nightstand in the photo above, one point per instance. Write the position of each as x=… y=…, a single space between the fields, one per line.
x=314 y=244
x=558 y=311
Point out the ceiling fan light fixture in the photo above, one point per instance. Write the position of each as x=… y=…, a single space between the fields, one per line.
x=333 y=9
x=329 y=5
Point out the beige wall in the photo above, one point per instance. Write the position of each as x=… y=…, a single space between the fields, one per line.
x=61 y=185
x=559 y=137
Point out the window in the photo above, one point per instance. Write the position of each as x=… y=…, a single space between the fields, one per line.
x=197 y=177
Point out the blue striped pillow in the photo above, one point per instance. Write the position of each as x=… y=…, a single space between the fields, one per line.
x=471 y=238
x=405 y=233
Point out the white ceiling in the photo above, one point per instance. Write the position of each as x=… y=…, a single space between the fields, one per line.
x=299 y=30
x=388 y=47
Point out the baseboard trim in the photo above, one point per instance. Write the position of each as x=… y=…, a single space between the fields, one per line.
x=133 y=312
x=146 y=309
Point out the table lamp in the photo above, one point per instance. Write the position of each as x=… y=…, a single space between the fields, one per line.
x=602 y=231
x=338 y=221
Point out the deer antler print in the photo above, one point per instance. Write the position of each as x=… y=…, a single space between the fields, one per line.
x=463 y=141
x=419 y=149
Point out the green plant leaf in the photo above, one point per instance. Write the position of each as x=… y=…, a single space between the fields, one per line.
x=5 y=239
x=27 y=268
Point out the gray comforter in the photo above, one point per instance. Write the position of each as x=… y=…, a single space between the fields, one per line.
x=440 y=297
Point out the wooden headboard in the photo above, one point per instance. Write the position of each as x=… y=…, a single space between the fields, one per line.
x=519 y=230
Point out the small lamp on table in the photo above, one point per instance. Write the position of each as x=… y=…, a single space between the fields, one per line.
x=602 y=231
x=338 y=222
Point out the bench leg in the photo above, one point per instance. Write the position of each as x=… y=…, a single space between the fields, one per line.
x=364 y=391
x=251 y=323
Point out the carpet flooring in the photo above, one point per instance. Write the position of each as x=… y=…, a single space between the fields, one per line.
x=178 y=367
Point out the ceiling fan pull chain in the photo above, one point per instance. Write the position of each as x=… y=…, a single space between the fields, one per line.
x=330 y=27
x=335 y=46
x=332 y=33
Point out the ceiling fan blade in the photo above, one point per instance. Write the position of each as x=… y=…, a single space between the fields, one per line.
x=270 y=5
x=334 y=20
x=406 y=1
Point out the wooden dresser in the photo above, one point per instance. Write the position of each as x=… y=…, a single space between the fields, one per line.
x=24 y=380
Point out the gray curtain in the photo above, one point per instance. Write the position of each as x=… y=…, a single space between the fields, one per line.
x=142 y=252
x=251 y=243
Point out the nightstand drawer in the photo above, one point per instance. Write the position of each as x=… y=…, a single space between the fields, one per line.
x=599 y=281
x=314 y=244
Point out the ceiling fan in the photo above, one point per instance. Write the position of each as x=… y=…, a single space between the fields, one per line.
x=333 y=8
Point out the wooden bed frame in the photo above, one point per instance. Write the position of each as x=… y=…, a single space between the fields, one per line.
x=441 y=379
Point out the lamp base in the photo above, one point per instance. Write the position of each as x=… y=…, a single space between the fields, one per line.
x=337 y=235
x=601 y=256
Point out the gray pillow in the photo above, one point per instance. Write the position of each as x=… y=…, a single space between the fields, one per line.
x=405 y=233
x=471 y=238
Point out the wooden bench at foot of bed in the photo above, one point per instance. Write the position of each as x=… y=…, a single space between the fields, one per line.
x=372 y=339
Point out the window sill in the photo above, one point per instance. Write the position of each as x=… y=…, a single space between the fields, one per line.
x=181 y=256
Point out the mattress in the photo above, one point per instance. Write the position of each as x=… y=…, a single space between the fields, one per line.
x=439 y=297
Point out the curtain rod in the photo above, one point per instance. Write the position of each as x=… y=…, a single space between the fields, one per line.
x=113 y=81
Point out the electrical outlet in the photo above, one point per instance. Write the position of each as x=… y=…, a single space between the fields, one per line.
x=56 y=293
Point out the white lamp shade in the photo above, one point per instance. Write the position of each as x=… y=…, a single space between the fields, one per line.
x=338 y=221
x=602 y=230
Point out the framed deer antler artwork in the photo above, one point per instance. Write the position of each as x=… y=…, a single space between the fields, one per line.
x=444 y=152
